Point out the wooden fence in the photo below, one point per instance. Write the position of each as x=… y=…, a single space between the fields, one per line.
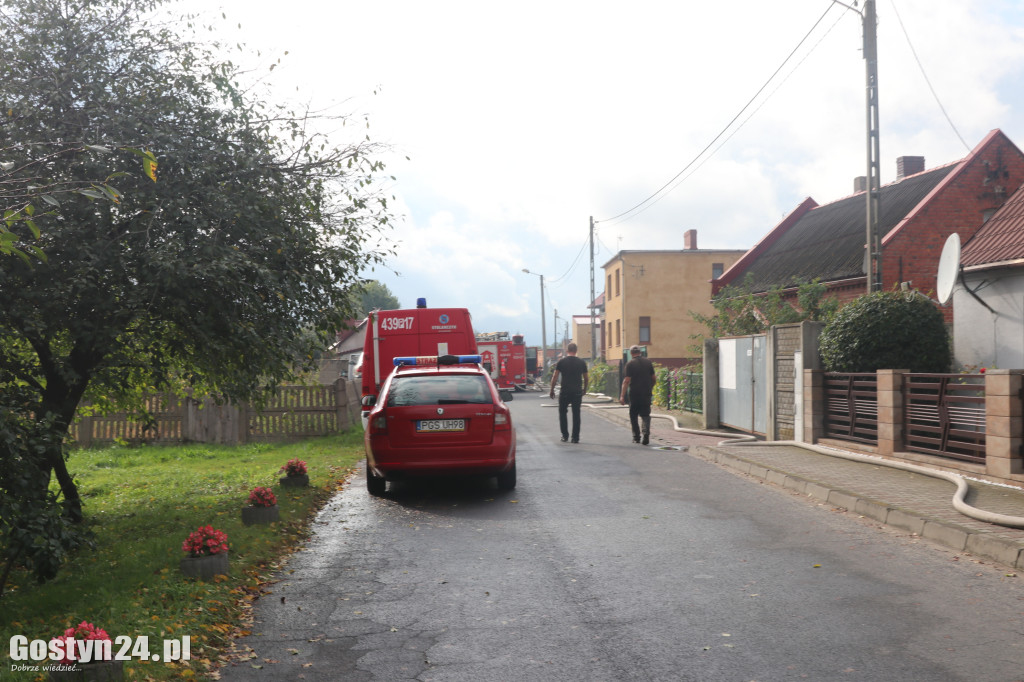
x=944 y=414
x=851 y=406
x=294 y=413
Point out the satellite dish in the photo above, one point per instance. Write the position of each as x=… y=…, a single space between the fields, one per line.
x=949 y=268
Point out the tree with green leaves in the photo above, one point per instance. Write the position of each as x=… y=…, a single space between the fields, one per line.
x=740 y=311
x=208 y=271
x=375 y=296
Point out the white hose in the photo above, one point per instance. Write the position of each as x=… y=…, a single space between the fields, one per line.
x=955 y=479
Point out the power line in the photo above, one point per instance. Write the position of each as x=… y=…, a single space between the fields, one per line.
x=745 y=121
x=925 y=75
x=726 y=128
x=571 y=267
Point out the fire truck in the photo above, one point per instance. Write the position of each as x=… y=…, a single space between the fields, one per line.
x=419 y=331
x=504 y=357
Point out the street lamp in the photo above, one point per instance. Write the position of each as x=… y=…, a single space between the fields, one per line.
x=543 y=323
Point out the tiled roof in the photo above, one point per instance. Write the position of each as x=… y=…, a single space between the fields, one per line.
x=828 y=242
x=1001 y=239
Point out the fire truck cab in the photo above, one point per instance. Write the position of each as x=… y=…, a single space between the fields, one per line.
x=504 y=358
x=418 y=331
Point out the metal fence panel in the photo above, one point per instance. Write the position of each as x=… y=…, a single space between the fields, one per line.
x=944 y=414
x=851 y=406
x=743 y=371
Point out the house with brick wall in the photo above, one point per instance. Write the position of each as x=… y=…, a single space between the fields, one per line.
x=918 y=211
x=988 y=297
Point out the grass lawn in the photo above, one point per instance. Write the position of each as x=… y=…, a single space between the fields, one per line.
x=141 y=503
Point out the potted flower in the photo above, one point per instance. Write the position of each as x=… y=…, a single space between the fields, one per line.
x=207 y=550
x=262 y=507
x=101 y=665
x=295 y=474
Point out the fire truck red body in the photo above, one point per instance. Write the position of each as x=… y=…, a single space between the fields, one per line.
x=504 y=358
x=411 y=332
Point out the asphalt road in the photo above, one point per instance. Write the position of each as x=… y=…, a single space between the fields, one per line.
x=612 y=561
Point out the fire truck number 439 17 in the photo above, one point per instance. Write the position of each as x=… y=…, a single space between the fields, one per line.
x=396 y=323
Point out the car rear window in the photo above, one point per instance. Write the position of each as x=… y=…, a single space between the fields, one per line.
x=438 y=390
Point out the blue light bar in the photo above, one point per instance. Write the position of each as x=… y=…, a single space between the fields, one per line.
x=421 y=360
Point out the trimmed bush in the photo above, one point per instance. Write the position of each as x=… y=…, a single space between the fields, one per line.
x=884 y=330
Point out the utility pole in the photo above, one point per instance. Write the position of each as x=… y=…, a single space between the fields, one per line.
x=593 y=313
x=543 y=330
x=873 y=246
x=542 y=360
x=556 y=329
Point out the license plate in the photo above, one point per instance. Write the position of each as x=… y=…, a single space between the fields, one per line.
x=440 y=425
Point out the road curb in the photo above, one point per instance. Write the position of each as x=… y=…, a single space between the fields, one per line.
x=988 y=545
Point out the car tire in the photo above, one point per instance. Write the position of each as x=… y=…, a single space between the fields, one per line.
x=375 y=485
x=507 y=479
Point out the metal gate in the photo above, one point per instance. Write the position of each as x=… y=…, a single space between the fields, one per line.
x=742 y=383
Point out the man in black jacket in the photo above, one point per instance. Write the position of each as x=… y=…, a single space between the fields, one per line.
x=639 y=383
x=575 y=382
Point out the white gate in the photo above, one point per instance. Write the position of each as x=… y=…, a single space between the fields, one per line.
x=742 y=383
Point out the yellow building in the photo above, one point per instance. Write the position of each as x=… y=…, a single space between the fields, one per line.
x=582 y=335
x=649 y=297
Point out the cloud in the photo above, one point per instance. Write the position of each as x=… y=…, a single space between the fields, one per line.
x=520 y=123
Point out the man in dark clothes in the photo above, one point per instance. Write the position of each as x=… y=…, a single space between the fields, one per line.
x=639 y=383
x=575 y=382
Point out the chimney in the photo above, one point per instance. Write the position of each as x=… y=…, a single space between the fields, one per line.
x=860 y=184
x=690 y=240
x=909 y=165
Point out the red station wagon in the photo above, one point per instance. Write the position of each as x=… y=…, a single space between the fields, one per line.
x=439 y=416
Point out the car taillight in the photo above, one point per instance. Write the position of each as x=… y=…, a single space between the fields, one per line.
x=502 y=422
x=379 y=424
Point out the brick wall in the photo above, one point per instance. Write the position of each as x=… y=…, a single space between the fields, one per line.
x=989 y=177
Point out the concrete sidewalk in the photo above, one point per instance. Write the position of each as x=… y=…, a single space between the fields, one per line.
x=906 y=500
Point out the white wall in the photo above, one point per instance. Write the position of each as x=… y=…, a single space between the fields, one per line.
x=982 y=338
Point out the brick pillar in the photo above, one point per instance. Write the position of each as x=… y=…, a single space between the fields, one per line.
x=814 y=405
x=890 y=411
x=1004 y=429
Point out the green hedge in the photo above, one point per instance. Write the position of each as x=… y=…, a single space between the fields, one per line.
x=886 y=330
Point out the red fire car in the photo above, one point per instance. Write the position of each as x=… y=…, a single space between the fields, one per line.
x=439 y=416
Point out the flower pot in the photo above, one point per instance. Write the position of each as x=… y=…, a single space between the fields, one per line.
x=94 y=671
x=255 y=515
x=298 y=481
x=205 y=567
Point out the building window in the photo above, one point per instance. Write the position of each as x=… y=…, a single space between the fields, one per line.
x=645 y=330
x=618 y=291
x=618 y=333
x=716 y=270
x=609 y=288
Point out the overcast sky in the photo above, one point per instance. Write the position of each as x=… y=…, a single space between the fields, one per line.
x=522 y=120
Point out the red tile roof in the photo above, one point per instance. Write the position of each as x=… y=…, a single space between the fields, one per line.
x=1001 y=240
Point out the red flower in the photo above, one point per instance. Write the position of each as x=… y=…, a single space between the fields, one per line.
x=204 y=541
x=81 y=632
x=262 y=497
x=294 y=467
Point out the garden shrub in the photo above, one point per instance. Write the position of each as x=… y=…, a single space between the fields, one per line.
x=885 y=330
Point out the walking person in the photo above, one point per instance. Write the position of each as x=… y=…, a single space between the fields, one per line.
x=639 y=385
x=575 y=381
